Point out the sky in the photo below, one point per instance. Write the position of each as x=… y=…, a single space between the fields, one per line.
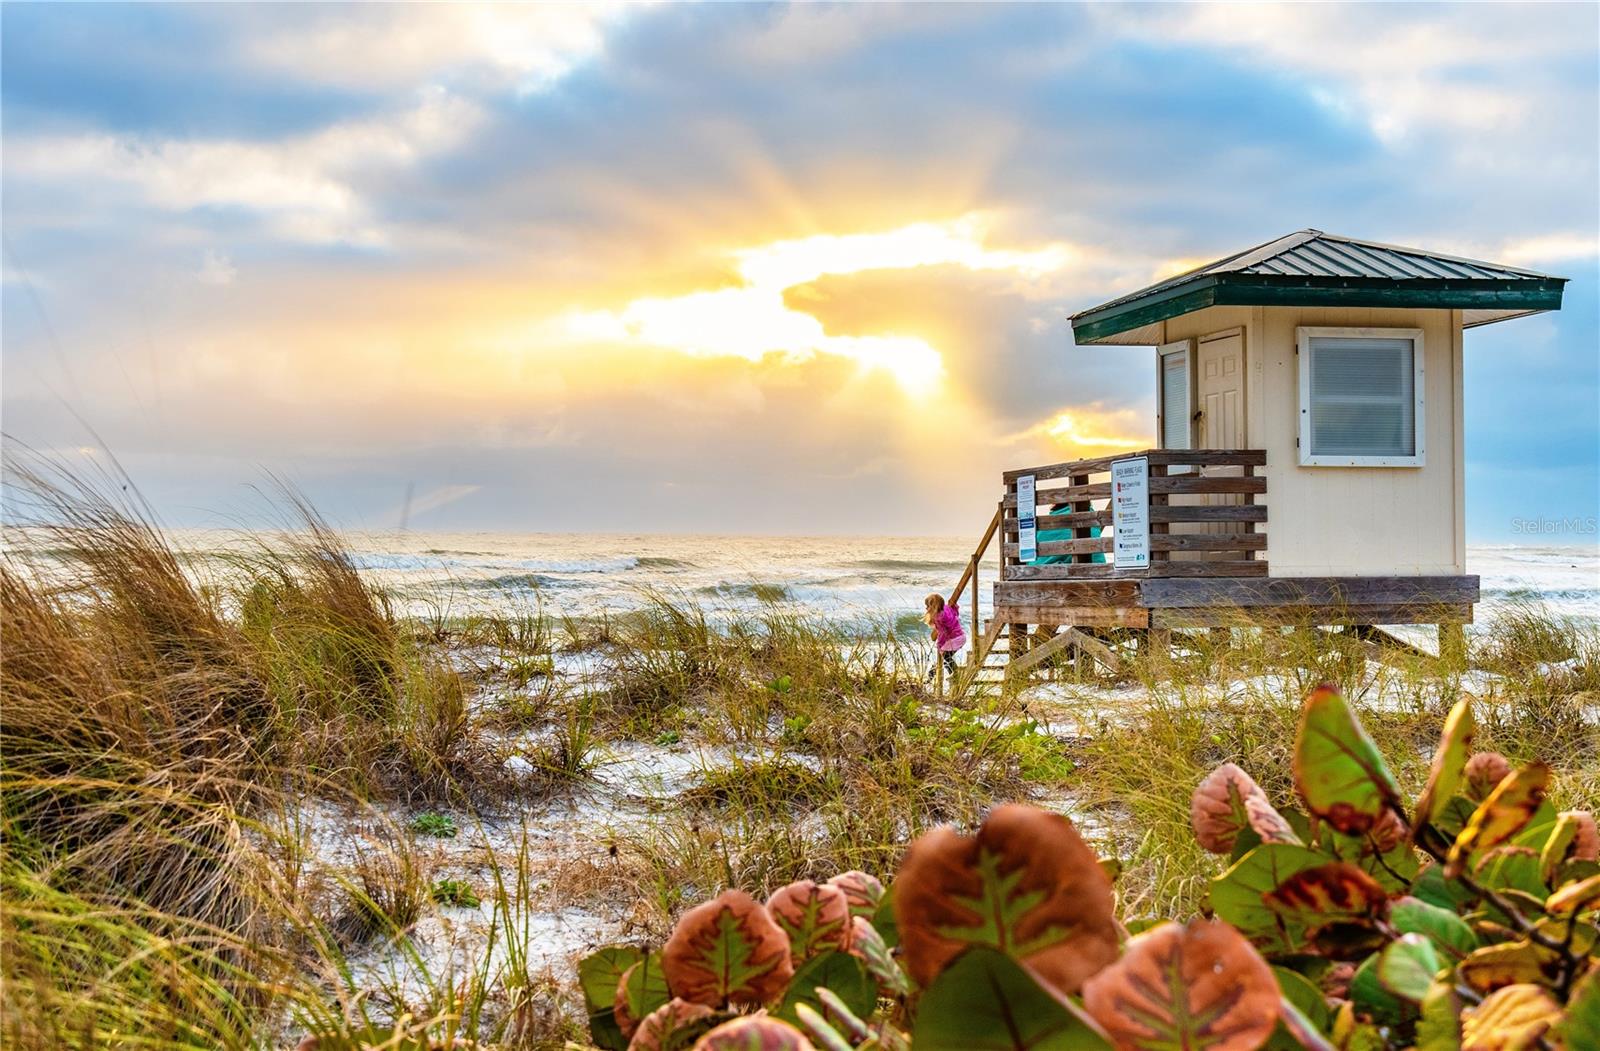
x=738 y=268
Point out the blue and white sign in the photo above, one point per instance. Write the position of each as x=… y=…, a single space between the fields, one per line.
x=1130 y=513
x=1027 y=525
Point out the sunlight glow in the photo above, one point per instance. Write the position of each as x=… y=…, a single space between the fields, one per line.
x=753 y=321
x=1092 y=428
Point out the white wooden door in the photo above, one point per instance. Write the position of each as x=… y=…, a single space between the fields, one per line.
x=1219 y=397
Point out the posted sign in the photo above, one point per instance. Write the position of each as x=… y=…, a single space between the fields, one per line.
x=1130 y=513
x=1027 y=535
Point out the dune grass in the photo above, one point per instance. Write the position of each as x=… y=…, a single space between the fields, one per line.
x=169 y=722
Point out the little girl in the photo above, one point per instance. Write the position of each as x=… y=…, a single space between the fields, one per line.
x=945 y=622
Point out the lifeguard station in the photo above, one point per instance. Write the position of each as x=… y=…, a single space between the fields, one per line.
x=1310 y=469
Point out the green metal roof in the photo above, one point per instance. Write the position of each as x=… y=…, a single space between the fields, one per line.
x=1311 y=268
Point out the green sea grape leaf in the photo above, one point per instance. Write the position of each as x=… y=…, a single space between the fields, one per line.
x=1448 y=931
x=986 y=1001
x=1199 y=986
x=839 y=971
x=1236 y=895
x=1026 y=883
x=1439 y=1027
x=598 y=976
x=1508 y=810
x=1581 y=1026
x=645 y=987
x=1432 y=887
x=867 y=944
x=1372 y=999
x=1337 y=768
x=727 y=949
x=1406 y=967
x=1308 y=1006
x=883 y=919
x=1511 y=868
x=1455 y=741
x=1557 y=844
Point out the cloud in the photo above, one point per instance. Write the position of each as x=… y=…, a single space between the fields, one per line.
x=755 y=319
x=308 y=188
x=216 y=269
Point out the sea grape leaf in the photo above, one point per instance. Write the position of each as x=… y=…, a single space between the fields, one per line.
x=1558 y=844
x=815 y=916
x=1394 y=869
x=1506 y=811
x=1301 y=1004
x=1407 y=965
x=1484 y=770
x=643 y=988
x=1448 y=931
x=1372 y=1000
x=1586 y=844
x=1025 y=884
x=598 y=975
x=986 y=1001
x=820 y=1030
x=864 y=891
x=1432 y=887
x=727 y=949
x=838 y=971
x=1236 y=895
x=1336 y=904
x=1575 y=897
x=1509 y=1019
x=1511 y=868
x=883 y=920
x=1508 y=963
x=674 y=1026
x=869 y=946
x=1439 y=1026
x=1196 y=986
x=1228 y=803
x=754 y=1033
x=1449 y=761
x=1338 y=769
x=1580 y=1027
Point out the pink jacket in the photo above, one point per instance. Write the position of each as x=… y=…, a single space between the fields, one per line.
x=947 y=630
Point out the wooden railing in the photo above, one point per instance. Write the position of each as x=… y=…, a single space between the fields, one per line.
x=1216 y=514
x=969 y=575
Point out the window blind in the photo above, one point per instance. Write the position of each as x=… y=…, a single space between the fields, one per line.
x=1363 y=396
x=1175 y=410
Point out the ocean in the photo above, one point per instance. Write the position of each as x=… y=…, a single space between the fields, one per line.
x=853 y=581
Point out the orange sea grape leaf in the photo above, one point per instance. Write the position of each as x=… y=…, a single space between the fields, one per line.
x=1199 y=986
x=674 y=1026
x=1509 y=1019
x=1216 y=809
x=1025 y=884
x=1585 y=838
x=815 y=916
x=754 y=1033
x=1500 y=816
x=864 y=890
x=1337 y=768
x=728 y=949
x=1483 y=771
x=1449 y=761
x=1580 y=896
x=1337 y=892
x=1506 y=963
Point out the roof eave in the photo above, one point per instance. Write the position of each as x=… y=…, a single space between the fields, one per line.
x=1517 y=297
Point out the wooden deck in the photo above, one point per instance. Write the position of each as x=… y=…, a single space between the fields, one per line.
x=1208 y=567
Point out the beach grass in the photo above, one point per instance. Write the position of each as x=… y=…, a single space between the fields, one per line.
x=175 y=733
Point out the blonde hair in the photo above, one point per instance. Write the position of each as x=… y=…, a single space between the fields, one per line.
x=934 y=605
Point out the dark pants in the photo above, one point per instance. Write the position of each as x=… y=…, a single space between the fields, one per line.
x=949 y=658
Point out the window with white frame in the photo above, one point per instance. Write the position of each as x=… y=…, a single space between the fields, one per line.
x=1175 y=402
x=1361 y=397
